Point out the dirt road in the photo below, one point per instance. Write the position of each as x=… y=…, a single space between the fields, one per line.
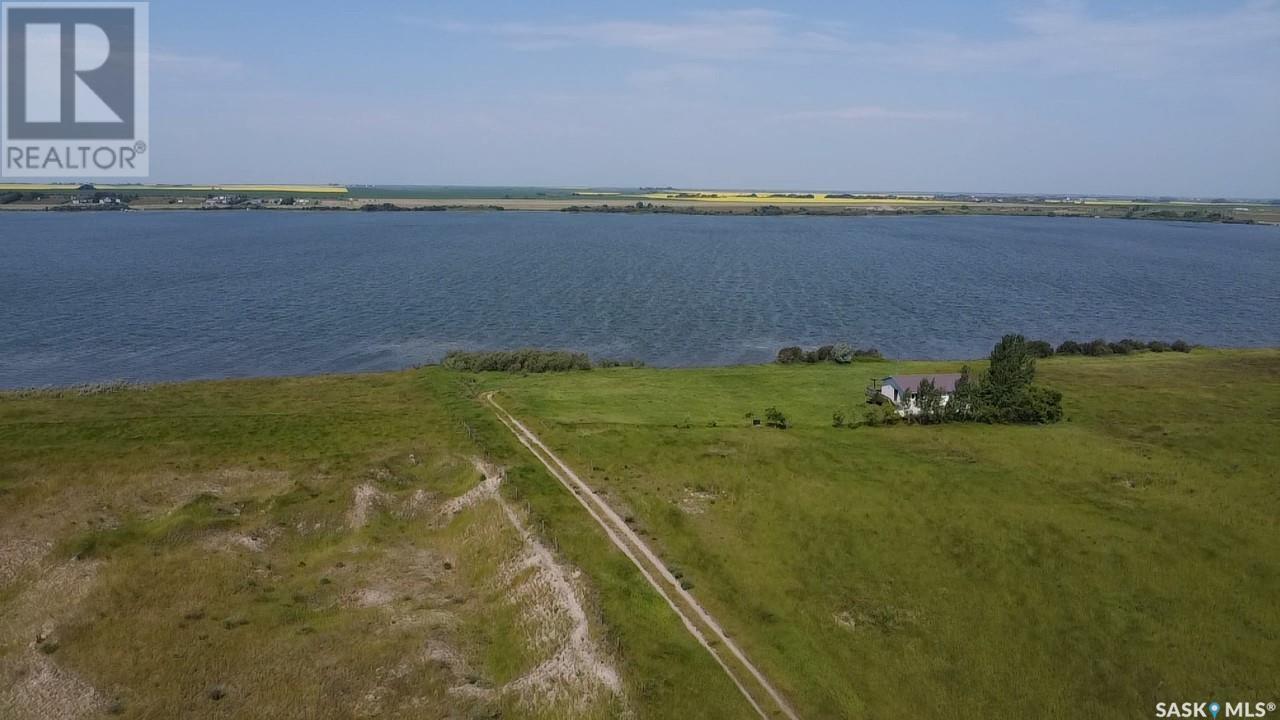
x=755 y=687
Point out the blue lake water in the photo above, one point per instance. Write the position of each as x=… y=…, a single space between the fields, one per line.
x=178 y=295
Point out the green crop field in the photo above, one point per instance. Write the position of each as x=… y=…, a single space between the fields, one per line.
x=279 y=548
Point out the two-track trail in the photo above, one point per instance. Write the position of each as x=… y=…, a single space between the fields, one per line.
x=752 y=683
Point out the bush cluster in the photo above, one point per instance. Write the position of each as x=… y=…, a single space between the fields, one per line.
x=611 y=363
x=841 y=352
x=527 y=360
x=773 y=417
x=1127 y=346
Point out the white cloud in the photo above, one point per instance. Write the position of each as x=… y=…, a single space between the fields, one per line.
x=713 y=35
x=1056 y=38
x=1065 y=39
x=169 y=63
x=875 y=112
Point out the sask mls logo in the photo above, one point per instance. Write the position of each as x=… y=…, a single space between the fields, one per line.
x=1214 y=709
x=75 y=89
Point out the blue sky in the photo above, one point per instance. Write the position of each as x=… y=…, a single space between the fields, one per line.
x=1137 y=97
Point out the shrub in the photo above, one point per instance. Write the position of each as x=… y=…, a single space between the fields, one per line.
x=528 y=360
x=773 y=417
x=1036 y=404
x=837 y=419
x=1040 y=348
x=1031 y=404
x=790 y=355
x=878 y=415
x=1097 y=348
x=842 y=353
x=1127 y=346
x=611 y=363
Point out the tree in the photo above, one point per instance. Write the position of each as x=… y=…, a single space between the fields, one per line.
x=929 y=403
x=773 y=417
x=966 y=398
x=1040 y=348
x=1006 y=394
x=1013 y=366
x=1097 y=348
x=1070 y=347
x=842 y=353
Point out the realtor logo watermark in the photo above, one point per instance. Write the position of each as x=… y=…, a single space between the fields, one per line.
x=76 y=89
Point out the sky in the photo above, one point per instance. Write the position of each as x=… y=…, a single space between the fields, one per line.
x=1152 y=98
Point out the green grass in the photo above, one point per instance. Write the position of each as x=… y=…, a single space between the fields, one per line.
x=1125 y=556
x=123 y=516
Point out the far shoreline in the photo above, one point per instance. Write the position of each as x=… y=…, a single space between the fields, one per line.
x=759 y=211
x=641 y=201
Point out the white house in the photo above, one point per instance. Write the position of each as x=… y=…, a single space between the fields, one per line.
x=901 y=390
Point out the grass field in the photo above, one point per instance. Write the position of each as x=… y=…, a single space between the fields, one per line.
x=276 y=548
x=1090 y=569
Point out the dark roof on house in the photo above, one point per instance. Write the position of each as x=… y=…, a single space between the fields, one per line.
x=946 y=382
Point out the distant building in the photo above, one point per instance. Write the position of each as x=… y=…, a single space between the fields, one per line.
x=901 y=390
x=86 y=193
x=224 y=200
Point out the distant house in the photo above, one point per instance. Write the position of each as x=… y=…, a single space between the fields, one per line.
x=901 y=390
x=86 y=193
x=224 y=200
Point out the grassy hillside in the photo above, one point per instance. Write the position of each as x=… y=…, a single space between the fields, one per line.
x=285 y=549
x=1125 y=556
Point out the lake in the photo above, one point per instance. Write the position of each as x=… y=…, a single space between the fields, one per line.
x=178 y=295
